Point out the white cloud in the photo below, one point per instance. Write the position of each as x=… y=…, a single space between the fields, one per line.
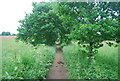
x=13 y=10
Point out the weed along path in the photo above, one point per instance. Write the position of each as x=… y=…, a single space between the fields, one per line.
x=58 y=70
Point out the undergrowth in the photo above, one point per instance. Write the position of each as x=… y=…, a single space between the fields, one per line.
x=103 y=66
x=21 y=61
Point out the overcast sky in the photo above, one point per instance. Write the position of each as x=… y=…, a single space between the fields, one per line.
x=13 y=10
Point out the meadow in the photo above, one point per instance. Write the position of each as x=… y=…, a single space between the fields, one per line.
x=103 y=66
x=21 y=61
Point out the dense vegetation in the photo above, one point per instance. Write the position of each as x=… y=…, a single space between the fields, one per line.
x=89 y=25
x=104 y=66
x=93 y=23
x=42 y=26
x=25 y=62
x=7 y=34
x=21 y=61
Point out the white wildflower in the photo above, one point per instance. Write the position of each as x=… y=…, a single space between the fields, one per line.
x=99 y=33
x=15 y=68
x=7 y=73
x=33 y=40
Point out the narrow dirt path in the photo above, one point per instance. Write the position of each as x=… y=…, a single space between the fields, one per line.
x=58 y=71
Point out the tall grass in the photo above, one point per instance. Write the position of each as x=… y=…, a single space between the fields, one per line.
x=21 y=61
x=104 y=66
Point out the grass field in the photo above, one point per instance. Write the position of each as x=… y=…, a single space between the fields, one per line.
x=104 y=66
x=21 y=61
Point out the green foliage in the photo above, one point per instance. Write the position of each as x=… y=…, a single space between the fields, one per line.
x=5 y=33
x=42 y=26
x=13 y=34
x=21 y=61
x=93 y=23
x=91 y=36
x=51 y=22
x=103 y=66
x=87 y=23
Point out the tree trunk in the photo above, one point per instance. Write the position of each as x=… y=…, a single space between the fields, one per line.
x=90 y=49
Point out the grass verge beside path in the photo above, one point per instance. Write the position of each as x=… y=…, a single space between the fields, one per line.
x=105 y=65
x=20 y=61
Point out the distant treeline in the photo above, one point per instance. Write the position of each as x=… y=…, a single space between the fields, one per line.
x=7 y=34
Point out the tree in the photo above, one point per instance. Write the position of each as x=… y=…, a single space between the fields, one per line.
x=5 y=33
x=93 y=23
x=42 y=26
x=91 y=36
x=13 y=34
x=90 y=23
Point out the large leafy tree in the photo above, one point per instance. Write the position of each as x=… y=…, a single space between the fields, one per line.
x=93 y=23
x=42 y=26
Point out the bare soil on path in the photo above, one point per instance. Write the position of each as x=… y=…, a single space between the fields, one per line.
x=58 y=70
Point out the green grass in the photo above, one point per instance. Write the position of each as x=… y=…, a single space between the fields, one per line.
x=104 y=66
x=21 y=61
